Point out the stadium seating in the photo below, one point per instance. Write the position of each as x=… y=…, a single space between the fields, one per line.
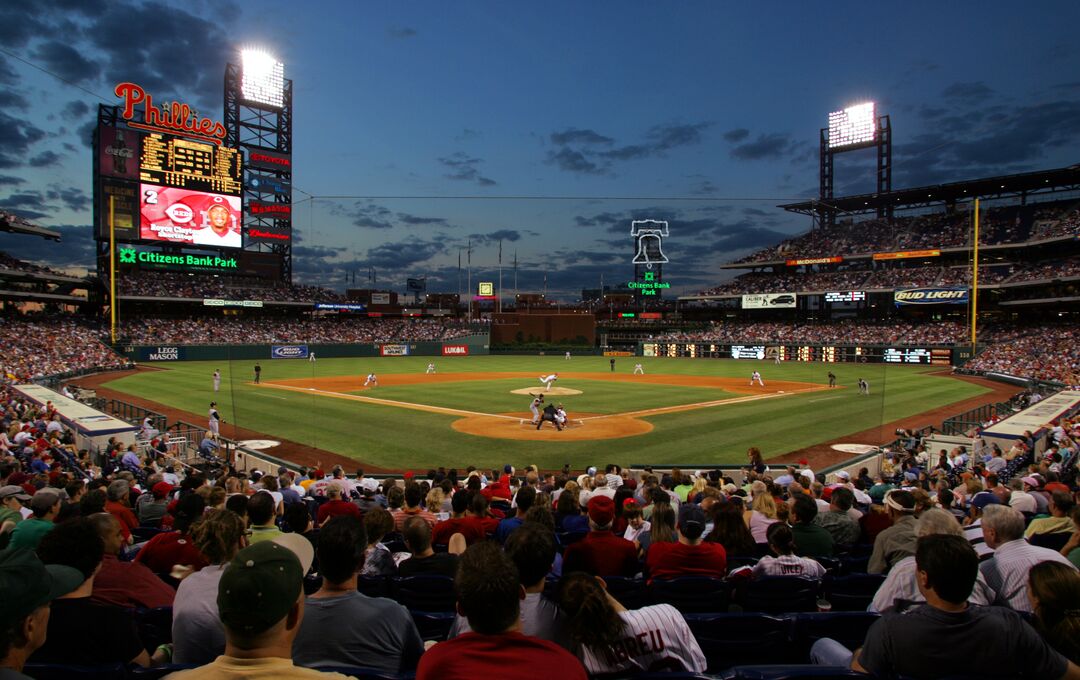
x=778 y=594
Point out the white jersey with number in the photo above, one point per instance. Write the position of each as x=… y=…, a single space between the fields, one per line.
x=656 y=638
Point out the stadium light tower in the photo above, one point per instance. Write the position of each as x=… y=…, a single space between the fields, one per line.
x=258 y=121
x=855 y=127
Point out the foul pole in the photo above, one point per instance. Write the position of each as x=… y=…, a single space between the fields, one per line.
x=975 y=280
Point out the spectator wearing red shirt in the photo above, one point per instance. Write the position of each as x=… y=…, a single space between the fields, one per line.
x=117 y=506
x=335 y=506
x=500 y=488
x=489 y=594
x=478 y=508
x=601 y=552
x=166 y=550
x=462 y=523
x=124 y=584
x=690 y=556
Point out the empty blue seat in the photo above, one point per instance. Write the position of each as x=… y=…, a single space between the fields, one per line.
x=374 y=586
x=732 y=639
x=847 y=628
x=426 y=592
x=155 y=626
x=55 y=671
x=631 y=593
x=793 y=672
x=852 y=593
x=702 y=594
x=778 y=594
x=433 y=625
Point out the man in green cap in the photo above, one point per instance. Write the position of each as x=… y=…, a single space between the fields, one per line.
x=261 y=604
x=27 y=587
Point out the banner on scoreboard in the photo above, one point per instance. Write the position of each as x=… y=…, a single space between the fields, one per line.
x=906 y=254
x=394 y=350
x=931 y=296
x=455 y=350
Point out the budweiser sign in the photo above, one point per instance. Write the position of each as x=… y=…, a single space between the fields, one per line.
x=269 y=235
x=174 y=118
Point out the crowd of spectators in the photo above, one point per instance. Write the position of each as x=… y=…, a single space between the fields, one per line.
x=15 y=264
x=200 y=286
x=1047 y=352
x=35 y=347
x=847 y=331
x=936 y=230
x=217 y=331
x=271 y=574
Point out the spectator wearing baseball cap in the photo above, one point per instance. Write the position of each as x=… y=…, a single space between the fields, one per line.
x=690 y=556
x=156 y=504
x=11 y=503
x=261 y=606
x=45 y=505
x=27 y=587
x=601 y=552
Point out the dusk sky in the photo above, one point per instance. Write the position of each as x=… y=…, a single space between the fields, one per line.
x=421 y=126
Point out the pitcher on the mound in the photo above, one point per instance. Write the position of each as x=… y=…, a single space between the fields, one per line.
x=755 y=377
x=549 y=380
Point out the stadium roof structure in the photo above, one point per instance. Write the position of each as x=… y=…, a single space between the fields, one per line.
x=11 y=222
x=1019 y=186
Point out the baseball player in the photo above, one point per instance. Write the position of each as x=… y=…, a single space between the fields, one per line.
x=217 y=380
x=832 y=379
x=864 y=386
x=372 y=380
x=560 y=415
x=430 y=369
x=214 y=420
x=311 y=357
x=755 y=377
x=549 y=380
x=537 y=402
x=639 y=369
x=258 y=373
x=568 y=356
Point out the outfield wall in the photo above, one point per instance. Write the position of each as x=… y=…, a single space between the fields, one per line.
x=466 y=346
x=940 y=355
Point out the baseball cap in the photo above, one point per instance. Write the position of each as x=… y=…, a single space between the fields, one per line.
x=843 y=474
x=12 y=491
x=601 y=510
x=508 y=469
x=691 y=514
x=591 y=471
x=261 y=585
x=985 y=498
x=1030 y=481
x=26 y=583
x=44 y=499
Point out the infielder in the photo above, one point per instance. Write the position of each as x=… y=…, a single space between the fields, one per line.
x=864 y=387
x=548 y=380
x=639 y=369
x=832 y=379
x=371 y=380
x=537 y=402
x=568 y=356
x=214 y=420
x=430 y=369
x=755 y=377
x=217 y=380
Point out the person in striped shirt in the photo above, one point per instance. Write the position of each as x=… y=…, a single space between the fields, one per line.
x=1007 y=571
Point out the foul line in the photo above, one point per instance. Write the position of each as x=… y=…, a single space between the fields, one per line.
x=703 y=404
x=384 y=402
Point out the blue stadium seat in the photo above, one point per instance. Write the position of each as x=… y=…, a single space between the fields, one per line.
x=736 y=561
x=155 y=626
x=702 y=594
x=847 y=628
x=1055 y=541
x=426 y=592
x=157 y=672
x=793 y=672
x=778 y=595
x=366 y=673
x=55 y=671
x=374 y=586
x=732 y=639
x=630 y=592
x=852 y=593
x=433 y=625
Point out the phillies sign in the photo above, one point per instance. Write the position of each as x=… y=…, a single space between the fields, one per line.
x=174 y=118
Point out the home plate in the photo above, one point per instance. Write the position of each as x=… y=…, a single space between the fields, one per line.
x=258 y=444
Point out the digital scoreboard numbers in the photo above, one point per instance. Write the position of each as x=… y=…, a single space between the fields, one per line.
x=185 y=164
x=907 y=356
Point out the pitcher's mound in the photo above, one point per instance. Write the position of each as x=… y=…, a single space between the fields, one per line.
x=553 y=392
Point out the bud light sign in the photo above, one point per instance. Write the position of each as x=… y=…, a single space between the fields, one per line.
x=289 y=351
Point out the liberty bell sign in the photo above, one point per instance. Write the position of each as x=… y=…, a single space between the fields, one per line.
x=649 y=235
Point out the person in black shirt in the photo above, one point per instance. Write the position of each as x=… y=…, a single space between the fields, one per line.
x=612 y=362
x=549 y=414
x=424 y=560
x=258 y=372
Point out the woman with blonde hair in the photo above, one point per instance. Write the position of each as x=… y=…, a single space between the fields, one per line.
x=762 y=513
x=434 y=500
x=603 y=630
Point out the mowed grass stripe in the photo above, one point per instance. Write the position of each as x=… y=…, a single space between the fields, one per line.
x=394 y=437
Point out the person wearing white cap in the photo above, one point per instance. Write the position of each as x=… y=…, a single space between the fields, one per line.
x=11 y=502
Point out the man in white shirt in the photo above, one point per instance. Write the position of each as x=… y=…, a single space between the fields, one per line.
x=1020 y=499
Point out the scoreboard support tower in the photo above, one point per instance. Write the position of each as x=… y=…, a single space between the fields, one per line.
x=825 y=215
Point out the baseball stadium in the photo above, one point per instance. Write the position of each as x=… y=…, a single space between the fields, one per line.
x=878 y=380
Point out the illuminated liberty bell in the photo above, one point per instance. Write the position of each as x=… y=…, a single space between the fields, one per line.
x=649 y=235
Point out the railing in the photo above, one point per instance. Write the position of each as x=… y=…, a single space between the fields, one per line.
x=129 y=412
x=976 y=417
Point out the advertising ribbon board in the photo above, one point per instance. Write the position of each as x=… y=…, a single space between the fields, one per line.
x=394 y=350
x=769 y=301
x=931 y=296
x=288 y=351
x=455 y=350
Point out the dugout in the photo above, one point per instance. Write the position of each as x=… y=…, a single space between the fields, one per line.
x=1038 y=419
x=92 y=427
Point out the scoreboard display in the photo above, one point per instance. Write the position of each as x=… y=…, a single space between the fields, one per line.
x=803 y=353
x=906 y=355
x=185 y=164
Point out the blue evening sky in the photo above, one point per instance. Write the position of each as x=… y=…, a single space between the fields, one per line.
x=702 y=113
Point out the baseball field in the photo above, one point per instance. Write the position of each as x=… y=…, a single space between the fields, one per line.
x=475 y=410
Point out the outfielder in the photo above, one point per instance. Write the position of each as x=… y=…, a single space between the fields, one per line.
x=430 y=369
x=756 y=377
x=548 y=380
x=639 y=369
x=864 y=386
x=217 y=380
x=371 y=380
x=537 y=402
x=311 y=357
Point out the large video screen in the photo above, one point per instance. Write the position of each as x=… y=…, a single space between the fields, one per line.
x=186 y=164
x=190 y=217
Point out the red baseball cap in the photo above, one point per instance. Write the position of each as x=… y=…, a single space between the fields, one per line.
x=162 y=489
x=601 y=510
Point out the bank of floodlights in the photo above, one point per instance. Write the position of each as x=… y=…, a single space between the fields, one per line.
x=262 y=79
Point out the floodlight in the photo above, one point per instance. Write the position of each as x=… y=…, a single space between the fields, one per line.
x=854 y=125
x=263 y=78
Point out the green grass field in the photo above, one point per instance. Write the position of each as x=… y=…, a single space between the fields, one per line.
x=393 y=437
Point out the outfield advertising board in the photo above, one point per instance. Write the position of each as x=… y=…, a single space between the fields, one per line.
x=394 y=350
x=288 y=351
x=455 y=350
x=170 y=353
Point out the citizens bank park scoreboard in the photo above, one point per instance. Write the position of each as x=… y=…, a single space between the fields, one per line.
x=806 y=353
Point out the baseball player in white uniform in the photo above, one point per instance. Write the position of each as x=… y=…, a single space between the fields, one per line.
x=534 y=407
x=639 y=369
x=311 y=357
x=560 y=415
x=755 y=377
x=548 y=380
x=568 y=356
x=371 y=380
x=430 y=368
x=214 y=420
x=217 y=380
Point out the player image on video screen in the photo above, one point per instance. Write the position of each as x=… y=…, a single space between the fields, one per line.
x=184 y=216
